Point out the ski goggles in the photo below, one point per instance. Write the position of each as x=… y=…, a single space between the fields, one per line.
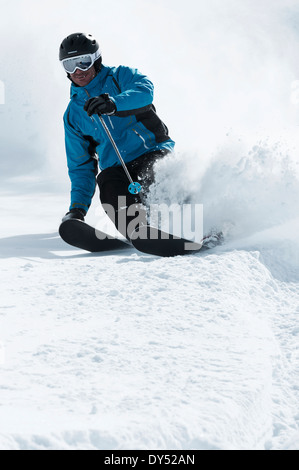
x=82 y=62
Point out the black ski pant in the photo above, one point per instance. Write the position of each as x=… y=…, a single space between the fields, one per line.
x=127 y=210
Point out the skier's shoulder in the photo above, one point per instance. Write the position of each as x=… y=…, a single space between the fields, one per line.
x=122 y=69
x=125 y=72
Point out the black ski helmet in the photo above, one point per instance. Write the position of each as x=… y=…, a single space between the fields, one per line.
x=79 y=44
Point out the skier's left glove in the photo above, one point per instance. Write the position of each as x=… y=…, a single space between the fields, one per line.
x=100 y=105
x=75 y=214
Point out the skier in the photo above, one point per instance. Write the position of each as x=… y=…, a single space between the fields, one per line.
x=124 y=98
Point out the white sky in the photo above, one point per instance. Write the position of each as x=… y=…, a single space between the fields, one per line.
x=216 y=65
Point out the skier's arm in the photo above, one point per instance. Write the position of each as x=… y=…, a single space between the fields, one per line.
x=136 y=92
x=82 y=168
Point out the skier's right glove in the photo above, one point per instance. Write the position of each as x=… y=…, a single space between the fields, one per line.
x=76 y=213
x=100 y=105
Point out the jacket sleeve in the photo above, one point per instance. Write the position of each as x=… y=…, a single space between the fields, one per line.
x=136 y=92
x=82 y=167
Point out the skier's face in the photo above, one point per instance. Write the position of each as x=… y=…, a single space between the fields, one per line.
x=83 y=77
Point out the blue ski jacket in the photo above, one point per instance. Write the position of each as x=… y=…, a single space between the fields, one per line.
x=135 y=127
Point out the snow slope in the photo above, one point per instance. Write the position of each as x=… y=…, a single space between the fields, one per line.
x=130 y=351
x=125 y=350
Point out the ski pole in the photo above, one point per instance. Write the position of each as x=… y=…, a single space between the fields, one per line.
x=134 y=187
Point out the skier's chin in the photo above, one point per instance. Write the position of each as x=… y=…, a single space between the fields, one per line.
x=82 y=80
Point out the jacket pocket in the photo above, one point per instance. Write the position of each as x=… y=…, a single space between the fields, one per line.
x=141 y=138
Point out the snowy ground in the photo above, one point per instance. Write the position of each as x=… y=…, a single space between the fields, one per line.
x=129 y=351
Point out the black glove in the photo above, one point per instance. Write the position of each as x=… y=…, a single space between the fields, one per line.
x=75 y=214
x=100 y=105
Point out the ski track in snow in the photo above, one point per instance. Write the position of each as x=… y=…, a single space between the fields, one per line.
x=129 y=351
